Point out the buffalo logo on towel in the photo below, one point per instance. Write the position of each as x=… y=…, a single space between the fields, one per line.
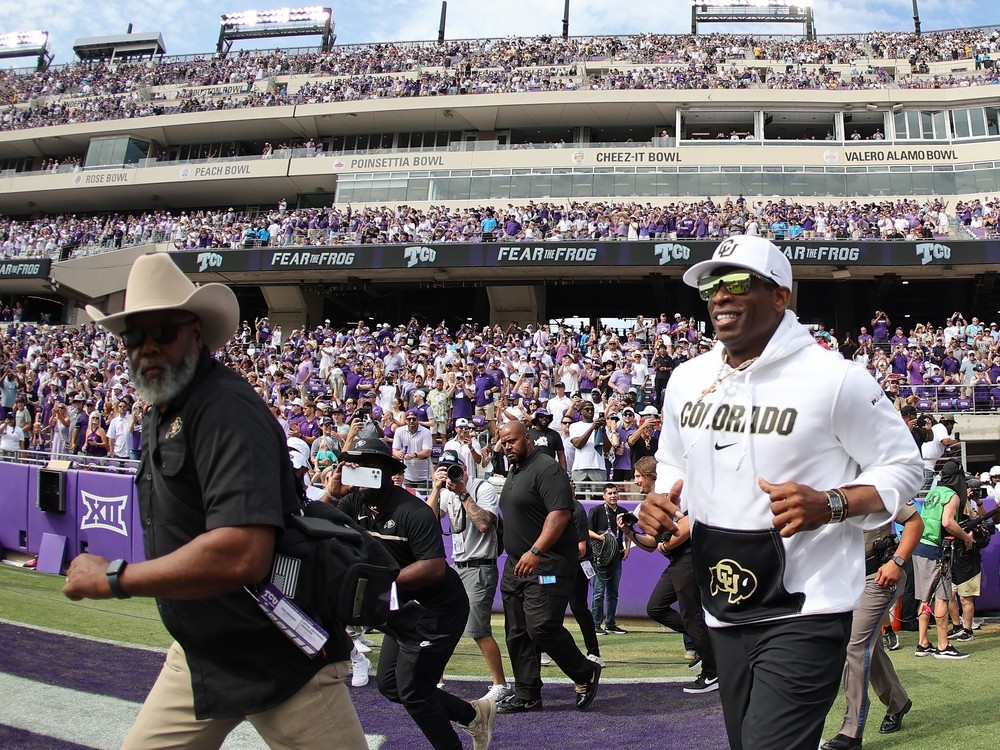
x=733 y=580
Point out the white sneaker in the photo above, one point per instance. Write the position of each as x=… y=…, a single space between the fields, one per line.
x=498 y=692
x=361 y=669
x=977 y=623
x=363 y=641
x=596 y=659
x=481 y=728
x=362 y=647
x=546 y=660
x=440 y=685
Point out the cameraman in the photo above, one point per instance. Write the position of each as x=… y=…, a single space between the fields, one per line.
x=942 y=515
x=967 y=566
x=934 y=447
x=472 y=508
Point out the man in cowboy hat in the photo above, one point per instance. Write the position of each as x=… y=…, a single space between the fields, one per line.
x=421 y=637
x=214 y=486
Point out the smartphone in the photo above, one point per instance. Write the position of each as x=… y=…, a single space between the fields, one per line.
x=361 y=476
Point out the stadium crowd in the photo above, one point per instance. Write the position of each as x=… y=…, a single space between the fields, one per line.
x=65 y=236
x=55 y=378
x=97 y=91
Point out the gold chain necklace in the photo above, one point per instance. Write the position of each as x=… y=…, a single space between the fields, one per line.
x=723 y=374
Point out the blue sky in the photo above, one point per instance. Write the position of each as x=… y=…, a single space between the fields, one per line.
x=190 y=26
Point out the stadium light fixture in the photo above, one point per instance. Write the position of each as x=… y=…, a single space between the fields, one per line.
x=26 y=44
x=30 y=39
x=280 y=22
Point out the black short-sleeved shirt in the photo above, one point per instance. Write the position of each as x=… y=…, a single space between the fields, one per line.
x=535 y=488
x=582 y=528
x=601 y=518
x=547 y=440
x=410 y=531
x=217 y=458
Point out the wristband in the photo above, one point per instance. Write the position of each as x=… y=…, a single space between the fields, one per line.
x=113 y=573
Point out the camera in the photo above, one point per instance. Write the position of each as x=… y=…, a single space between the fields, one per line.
x=883 y=549
x=629 y=519
x=455 y=472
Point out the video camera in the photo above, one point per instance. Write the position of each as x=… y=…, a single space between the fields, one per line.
x=629 y=520
x=982 y=528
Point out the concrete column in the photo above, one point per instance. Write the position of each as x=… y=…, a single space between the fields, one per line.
x=520 y=304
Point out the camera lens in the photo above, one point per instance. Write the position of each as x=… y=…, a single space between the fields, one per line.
x=455 y=472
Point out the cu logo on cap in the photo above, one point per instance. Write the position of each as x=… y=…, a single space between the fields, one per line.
x=727 y=248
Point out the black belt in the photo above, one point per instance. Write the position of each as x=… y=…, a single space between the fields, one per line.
x=481 y=563
x=872 y=564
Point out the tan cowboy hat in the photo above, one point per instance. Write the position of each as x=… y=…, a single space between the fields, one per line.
x=156 y=283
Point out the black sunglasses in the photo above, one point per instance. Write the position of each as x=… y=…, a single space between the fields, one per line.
x=162 y=334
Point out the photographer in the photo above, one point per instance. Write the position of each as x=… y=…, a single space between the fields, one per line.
x=472 y=508
x=967 y=564
x=603 y=523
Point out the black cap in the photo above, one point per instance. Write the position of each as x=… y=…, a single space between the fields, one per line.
x=372 y=447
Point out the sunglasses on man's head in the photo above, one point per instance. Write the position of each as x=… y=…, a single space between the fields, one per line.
x=162 y=334
x=736 y=282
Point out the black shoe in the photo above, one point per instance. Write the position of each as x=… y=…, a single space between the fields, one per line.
x=964 y=636
x=586 y=693
x=704 y=684
x=600 y=631
x=891 y=639
x=841 y=742
x=514 y=705
x=955 y=631
x=615 y=630
x=894 y=722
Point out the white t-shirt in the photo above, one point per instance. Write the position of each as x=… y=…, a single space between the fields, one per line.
x=471 y=543
x=589 y=456
x=11 y=438
x=933 y=449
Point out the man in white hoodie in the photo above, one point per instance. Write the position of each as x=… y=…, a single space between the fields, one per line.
x=782 y=453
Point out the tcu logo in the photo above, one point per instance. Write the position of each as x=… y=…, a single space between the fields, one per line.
x=419 y=254
x=730 y=578
x=209 y=260
x=669 y=251
x=106 y=513
x=928 y=251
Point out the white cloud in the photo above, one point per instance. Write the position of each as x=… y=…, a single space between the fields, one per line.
x=192 y=27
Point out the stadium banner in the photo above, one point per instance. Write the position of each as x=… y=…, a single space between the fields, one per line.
x=34 y=268
x=676 y=253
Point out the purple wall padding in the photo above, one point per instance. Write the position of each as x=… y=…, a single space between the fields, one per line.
x=104 y=506
x=14 y=506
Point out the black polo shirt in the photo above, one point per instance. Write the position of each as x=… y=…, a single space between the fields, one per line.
x=410 y=531
x=536 y=487
x=216 y=458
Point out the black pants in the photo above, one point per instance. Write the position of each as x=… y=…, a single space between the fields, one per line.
x=533 y=619
x=408 y=674
x=677 y=583
x=581 y=612
x=778 y=680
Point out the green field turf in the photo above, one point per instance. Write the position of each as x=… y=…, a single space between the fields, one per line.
x=954 y=702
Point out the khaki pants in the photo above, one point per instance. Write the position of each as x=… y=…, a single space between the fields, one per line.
x=320 y=715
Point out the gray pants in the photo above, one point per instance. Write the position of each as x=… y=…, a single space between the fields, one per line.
x=867 y=660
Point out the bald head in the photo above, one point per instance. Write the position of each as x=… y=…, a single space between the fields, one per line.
x=515 y=442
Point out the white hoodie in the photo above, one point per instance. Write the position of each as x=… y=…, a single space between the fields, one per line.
x=820 y=421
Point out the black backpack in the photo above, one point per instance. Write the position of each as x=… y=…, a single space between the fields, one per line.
x=333 y=568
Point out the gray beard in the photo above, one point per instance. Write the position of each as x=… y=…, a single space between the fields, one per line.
x=172 y=381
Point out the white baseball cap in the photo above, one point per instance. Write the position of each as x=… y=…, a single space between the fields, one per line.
x=743 y=251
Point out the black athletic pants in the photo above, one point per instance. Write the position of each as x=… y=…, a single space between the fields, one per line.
x=678 y=581
x=580 y=607
x=533 y=620
x=778 y=680
x=408 y=674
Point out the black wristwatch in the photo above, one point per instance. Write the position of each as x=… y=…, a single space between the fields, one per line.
x=535 y=551
x=114 y=571
x=898 y=560
x=463 y=496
